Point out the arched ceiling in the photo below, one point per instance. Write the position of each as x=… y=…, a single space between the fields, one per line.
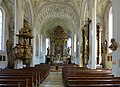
x=50 y=13
x=63 y=12
x=101 y=7
x=65 y=24
x=53 y=11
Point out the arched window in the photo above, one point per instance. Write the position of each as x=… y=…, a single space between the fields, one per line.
x=69 y=44
x=1 y=29
x=41 y=42
x=75 y=43
x=110 y=27
x=47 y=44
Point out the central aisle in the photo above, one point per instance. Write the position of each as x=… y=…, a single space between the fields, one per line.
x=54 y=79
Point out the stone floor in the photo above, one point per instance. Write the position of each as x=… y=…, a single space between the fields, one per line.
x=54 y=79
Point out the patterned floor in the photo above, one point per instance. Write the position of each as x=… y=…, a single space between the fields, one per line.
x=54 y=79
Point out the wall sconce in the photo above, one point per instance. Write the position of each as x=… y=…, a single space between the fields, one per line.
x=113 y=45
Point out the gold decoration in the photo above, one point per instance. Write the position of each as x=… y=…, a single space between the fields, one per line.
x=58 y=38
x=24 y=48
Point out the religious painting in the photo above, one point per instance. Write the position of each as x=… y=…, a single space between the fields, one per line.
x=37 y=45
x=58 y=49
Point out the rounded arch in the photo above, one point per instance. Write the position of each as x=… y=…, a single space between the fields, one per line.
x=3 y=12
x=28 y=9
x=85 y=13
x=110 y=26
x=106 y=20
x=82 y=12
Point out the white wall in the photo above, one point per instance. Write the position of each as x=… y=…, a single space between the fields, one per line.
x=3 y=64
x=116 y=35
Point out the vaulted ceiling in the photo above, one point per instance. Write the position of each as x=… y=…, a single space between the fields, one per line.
x=50 y=13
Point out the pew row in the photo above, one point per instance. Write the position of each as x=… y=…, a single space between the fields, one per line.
x=33 y=76
x=83 y=77
x=9 y=85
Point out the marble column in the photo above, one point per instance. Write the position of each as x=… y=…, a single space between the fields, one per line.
x=116 y=36
x=92 y=34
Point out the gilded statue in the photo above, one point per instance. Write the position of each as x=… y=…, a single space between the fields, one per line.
x=28 y=52
x=8 y=45
x=113 y=45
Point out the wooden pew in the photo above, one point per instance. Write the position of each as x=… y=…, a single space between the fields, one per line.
x=95 y=85
x=93 y=81
x=34 y=75
x=9 y=85
x=20 y=74
x=15 y=82
x=87 y=82
x=92 y=78
x=79 y=74
x=84 y=72
x=82 y=77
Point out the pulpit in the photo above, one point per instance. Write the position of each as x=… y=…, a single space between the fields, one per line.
x=24 y=49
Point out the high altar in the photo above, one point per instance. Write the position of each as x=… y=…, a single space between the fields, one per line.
x=58 y=44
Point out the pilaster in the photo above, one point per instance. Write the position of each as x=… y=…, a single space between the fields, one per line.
x=92 y=34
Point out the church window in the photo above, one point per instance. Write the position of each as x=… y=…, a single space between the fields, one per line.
x=1 y=29
x=41 y=43
x=47 y=44
x=110 y=27
x=69 y=44
x=75 y=43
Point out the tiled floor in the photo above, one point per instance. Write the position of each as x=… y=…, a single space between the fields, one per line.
x=53 y=80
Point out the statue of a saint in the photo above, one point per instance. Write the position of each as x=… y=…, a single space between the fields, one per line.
x=8 y=45
x=68 y=50
x=113 y=45
x=48 y=50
